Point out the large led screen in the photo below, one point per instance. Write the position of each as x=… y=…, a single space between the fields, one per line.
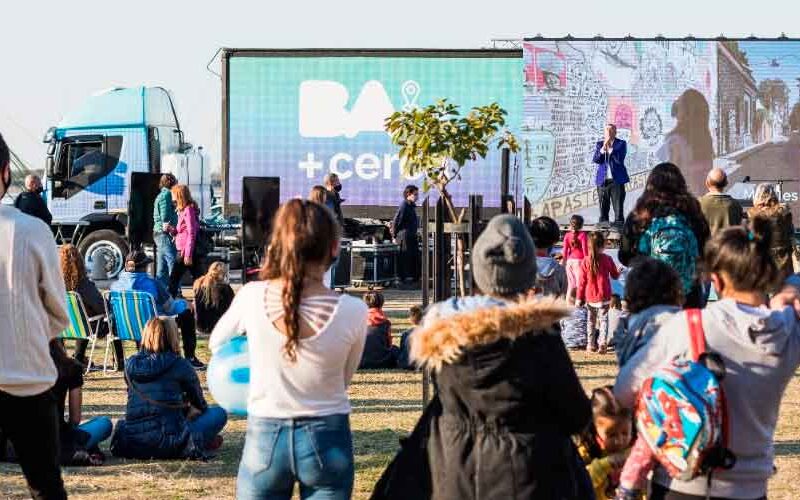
x=299 y=117
x=698 y=104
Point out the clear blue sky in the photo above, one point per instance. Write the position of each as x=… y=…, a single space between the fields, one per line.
x=53 y=56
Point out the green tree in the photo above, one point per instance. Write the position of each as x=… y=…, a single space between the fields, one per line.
x=439 y=142
x=774 y=94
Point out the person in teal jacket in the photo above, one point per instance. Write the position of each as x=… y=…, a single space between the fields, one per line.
x=165 y=219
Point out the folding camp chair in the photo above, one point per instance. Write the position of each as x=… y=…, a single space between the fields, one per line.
x=128 y=312
x=81 y=326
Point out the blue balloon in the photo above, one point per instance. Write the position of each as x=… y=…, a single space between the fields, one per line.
x=229 y=376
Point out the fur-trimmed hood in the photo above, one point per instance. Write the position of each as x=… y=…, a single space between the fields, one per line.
x=455 y=325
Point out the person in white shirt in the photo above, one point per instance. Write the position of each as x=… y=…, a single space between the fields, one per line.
x=32 y=313
x=305 y=342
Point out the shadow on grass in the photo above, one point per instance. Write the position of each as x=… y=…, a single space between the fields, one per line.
x=385 y=405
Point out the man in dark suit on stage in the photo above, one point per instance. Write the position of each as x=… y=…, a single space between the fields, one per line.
x=611 y=176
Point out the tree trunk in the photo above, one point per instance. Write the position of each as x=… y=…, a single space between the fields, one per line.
x=459 y=257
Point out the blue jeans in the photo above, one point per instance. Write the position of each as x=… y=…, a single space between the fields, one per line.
x=166 y=254
x=99 y=429
x=208 y=425
x=316 y=452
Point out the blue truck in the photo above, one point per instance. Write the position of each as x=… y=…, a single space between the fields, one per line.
x=91 y=156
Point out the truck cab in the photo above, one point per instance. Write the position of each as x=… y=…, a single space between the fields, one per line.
x=91 y=155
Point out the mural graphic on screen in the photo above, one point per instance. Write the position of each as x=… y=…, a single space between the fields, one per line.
x=695 y=103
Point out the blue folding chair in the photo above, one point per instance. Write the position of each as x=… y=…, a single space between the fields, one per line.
x=128 y=312
x=81 y=326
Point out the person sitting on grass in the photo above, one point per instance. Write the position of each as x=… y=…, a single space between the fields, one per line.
x=212 y=297
x=551 y=277
x=378 y=349
x=415 y=318
x=79 y=441
x=166 y=414
x=135 y=277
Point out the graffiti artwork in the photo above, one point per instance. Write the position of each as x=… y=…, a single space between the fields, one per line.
x=695 y=103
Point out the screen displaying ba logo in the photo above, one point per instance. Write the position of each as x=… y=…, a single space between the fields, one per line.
x=324 y=113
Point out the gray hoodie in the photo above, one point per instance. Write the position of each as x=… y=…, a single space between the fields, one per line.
x=635 y=331
x=761 y=351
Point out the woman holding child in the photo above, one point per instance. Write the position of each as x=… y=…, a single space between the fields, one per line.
x=760 y=349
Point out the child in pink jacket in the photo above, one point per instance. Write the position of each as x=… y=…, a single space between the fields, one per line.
x=576 y=247
x=594 y=289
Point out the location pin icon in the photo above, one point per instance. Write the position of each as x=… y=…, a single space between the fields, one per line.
x=410 y=91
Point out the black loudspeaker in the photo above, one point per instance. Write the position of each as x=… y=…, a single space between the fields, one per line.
x=144 y=190
x=260 y=201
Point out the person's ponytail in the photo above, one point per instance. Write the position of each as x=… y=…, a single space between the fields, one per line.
x=304 y=233
x=760 y=232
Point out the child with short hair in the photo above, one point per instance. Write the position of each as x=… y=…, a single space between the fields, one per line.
x=415 y=318
x=378 y=349
x=653 y=294
x=605 y=444
x=594 y=289
x=576 y=247
x=551 y=278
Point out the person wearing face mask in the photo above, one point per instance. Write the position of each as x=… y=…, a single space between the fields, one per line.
x=404 y=231
x=334 y=201
x=31 y=202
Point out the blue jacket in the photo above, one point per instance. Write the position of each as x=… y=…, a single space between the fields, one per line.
x=164 y=211
x=143 y=282
x=616 y=161
x=155 y=425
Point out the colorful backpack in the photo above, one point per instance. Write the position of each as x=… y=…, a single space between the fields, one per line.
x=681 y=412
x=670 y=239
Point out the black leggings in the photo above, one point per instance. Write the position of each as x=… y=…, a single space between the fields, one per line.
x=178 y=270
x=659 y=492
x=185 y=321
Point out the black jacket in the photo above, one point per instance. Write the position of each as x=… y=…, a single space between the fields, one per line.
x=406 y=221
x=33 y=204
x=208 y=315
x=510 y=402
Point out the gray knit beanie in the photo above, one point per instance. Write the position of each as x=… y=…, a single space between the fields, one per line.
x=504 y=258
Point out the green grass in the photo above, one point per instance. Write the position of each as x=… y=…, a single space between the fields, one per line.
x=386 y=404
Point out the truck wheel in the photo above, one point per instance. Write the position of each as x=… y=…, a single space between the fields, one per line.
x=105 y=245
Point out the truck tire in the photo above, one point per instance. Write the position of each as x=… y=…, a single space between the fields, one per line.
x=110 y=245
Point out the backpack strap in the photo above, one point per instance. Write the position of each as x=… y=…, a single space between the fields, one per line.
x=698 y=347
x=697 y=336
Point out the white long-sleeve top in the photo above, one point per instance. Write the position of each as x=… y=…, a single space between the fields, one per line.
x=32 y=303
x=316 y=383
